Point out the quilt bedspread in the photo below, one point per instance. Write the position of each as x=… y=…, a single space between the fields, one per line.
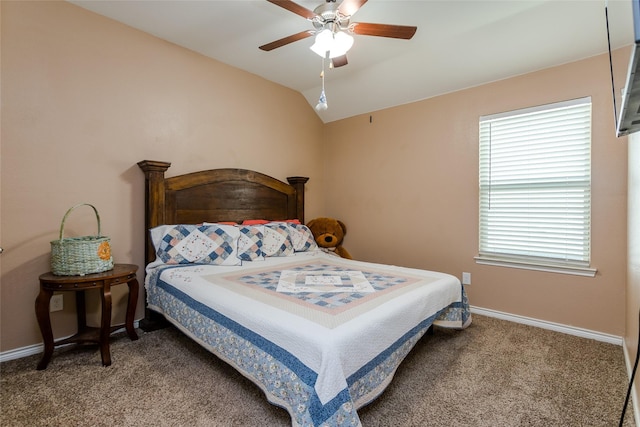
x=320 y=335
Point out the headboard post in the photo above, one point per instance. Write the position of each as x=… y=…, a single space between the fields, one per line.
x=298 y=183
x=154 y=200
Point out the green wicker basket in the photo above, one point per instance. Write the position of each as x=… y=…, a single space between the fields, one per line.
x=77 y=256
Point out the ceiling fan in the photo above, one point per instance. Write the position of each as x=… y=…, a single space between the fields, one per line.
x=332 y=22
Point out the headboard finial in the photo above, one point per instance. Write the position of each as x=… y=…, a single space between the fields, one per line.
x=153 y=166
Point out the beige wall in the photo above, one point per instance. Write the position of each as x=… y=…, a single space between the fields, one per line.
x=405 y=181
x=633 y=257
x=84 y=99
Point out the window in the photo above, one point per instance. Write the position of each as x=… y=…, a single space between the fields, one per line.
x=535 y=188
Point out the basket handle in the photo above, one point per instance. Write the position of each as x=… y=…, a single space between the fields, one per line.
x=77 y=206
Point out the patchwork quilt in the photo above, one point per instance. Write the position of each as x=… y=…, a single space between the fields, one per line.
x=322 y=336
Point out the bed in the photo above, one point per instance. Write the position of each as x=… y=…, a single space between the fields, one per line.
x=231 y=264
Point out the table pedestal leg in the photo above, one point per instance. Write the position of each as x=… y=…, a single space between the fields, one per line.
x=105 y=328
x=44 y=321
x=81 y=311
x=131 y=309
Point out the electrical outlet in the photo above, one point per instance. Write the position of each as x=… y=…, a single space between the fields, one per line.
x=56 y=303
x=466 y=278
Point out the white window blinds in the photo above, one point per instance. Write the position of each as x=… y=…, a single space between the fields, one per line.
x=535 y=185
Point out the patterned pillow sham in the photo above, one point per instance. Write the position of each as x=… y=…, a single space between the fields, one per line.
x=261 y=238
x=277 y=240
x=301 y=237
x=196 y=244
x=250 y=243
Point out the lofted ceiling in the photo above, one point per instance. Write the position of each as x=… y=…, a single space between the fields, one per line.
x=458 y=44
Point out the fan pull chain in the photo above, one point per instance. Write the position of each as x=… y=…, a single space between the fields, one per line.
x=322 y=102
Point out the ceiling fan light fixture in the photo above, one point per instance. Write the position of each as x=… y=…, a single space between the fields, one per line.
x=323 y=43
x=335 y=44
x=342 y=42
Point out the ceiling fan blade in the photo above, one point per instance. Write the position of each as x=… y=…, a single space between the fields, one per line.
x=286 y=40
x=349 y=7
x=339 y=61
x=294 y=7
x=384 y=30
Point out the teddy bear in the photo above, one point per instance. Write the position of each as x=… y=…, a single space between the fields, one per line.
x=328 y=234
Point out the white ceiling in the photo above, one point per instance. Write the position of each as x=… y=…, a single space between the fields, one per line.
x=459 y=44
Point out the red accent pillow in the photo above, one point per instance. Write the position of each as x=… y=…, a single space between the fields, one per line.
x=255 y=222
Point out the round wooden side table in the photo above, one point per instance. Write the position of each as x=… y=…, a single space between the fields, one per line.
x=49 y=283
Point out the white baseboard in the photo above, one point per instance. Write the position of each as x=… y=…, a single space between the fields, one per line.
x=558 y=327
x=30 y=350
x=585 y=333
x=19 y=353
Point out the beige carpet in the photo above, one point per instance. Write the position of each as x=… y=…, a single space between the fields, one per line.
x=495 y=373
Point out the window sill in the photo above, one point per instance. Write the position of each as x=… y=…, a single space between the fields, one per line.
x=549 y=268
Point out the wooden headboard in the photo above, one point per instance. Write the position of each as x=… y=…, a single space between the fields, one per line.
x=216 y=195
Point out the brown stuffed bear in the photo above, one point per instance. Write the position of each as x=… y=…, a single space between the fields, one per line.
x=329 y=233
